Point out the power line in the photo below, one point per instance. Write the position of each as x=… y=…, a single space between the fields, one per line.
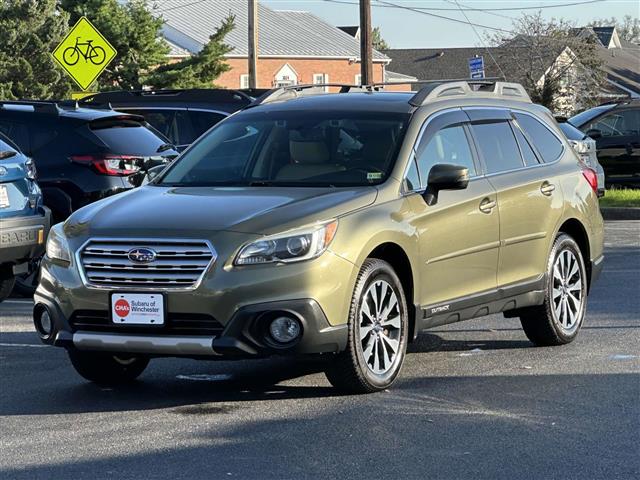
x=470 y=9
x=442 y=17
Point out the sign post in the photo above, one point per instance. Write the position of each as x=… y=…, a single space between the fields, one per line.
x=84 y=53
x=476 y=67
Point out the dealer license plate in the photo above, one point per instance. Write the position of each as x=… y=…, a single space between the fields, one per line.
x=137 y=308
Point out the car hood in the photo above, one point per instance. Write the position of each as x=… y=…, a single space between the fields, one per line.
x=188 y=211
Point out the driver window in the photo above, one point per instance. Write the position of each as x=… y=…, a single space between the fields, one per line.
x=618 y=124
x=449 y=145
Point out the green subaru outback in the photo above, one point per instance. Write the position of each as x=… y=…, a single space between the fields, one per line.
x=338 y=224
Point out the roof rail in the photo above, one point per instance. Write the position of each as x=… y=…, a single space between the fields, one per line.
x=38 y=106
x=484 y=88
x=295 y=91
x=173 y=95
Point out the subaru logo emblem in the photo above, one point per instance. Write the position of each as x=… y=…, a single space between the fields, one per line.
x=3 y=171
x=142 y=255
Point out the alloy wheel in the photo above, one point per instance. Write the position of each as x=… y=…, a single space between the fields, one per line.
x=567 y=291
x=380 y=327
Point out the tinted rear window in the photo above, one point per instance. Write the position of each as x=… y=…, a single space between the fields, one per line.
x=130 y=140
x=498 y=146
x=571 y=132
x=545 y=142
x=7 y=145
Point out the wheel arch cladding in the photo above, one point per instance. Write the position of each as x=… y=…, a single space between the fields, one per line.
x=394 y=255
x=575 y=229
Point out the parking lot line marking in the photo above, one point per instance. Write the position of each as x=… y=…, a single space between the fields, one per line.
x=22 y=345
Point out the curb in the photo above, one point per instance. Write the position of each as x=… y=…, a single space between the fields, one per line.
x=620 y=213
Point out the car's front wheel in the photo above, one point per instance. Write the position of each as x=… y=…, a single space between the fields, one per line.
x=107 y=368
x=559 y=319
x=378 y=332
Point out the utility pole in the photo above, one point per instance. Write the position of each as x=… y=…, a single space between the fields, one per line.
x=253 y=43
x=366 y=49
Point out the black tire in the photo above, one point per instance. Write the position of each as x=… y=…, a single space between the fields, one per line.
x=7 y=281
x=107 y=368
x=349 y=371
x=542 y=324
x=27 y=283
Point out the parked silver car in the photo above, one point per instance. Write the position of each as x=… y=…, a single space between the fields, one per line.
x=585 y=147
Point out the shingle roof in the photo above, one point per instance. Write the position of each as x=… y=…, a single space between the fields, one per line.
x=449 y=63
x=622 y=66
x=604 y=34
x=280 y=33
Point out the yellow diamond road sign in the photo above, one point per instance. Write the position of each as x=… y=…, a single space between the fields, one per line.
x=84 y=53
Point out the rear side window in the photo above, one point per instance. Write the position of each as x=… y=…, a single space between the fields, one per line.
x=528 y=154
x=546 y=143
x=203 y=121
x=498 y=146
x=617 y=124
x=449 y=145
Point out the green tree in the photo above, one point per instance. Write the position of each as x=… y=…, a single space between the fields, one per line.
x=132 y=30
x=199 y=70
x=29 y=31
x=628 y=29
x=376 y=39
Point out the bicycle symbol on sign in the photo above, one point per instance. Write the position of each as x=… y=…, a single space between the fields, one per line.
x=95 y=55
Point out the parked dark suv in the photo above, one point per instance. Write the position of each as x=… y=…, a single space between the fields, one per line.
x=181 y=115
x=616 y=129
x=24 y=221
x=82 y=154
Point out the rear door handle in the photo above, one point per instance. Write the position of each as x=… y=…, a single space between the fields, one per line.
x=487 y=205
x=547 y=188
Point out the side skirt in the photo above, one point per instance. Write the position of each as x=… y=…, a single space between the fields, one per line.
x=503 y=299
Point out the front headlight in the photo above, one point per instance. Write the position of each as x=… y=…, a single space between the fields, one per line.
x=288 y=247
x=57 y=247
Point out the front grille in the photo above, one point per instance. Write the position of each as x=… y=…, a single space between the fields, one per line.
x=178 y=264
x=176 y=324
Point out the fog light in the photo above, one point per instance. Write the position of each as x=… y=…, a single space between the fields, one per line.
x=43 y=323
x=284 y=329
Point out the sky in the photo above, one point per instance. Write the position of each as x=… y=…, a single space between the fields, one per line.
x=403 y=28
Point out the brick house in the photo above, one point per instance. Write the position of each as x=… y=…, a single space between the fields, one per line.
x=294 y=47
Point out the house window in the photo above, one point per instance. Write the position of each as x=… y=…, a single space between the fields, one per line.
x=320 y=78
x=244 y=81
x=358 y=79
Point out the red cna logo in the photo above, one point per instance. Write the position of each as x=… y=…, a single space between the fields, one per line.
x=122 y=308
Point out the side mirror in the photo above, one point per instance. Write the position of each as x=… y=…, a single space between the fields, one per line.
x=594 y=133
x=445 y=177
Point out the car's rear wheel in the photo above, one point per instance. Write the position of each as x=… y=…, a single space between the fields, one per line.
x=559 y=319
x=107 y=368
x=7 y=280
x=378 y=332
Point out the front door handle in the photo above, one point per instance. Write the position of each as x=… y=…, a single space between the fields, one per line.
x=547 y=188
x=487 y=205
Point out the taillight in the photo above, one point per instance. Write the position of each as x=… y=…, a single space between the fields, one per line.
x=592 y=178
x=114 y=165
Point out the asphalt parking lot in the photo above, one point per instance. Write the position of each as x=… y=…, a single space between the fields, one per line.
x=475 y=400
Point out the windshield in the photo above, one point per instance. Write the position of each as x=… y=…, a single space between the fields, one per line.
x=299 y=148
x=580 y=119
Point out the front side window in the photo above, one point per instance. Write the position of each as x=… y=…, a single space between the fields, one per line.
x=293 y=148
x=617 y=124
x=498 y=146
x=549 y=146
x=449 y=145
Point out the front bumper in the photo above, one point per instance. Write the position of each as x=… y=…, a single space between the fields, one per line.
x=244 y=336
x=23 y=238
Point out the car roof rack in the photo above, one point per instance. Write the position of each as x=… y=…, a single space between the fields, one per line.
x=294 y=91
x=174 y=95
x=477 y=88
x=38 y=106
